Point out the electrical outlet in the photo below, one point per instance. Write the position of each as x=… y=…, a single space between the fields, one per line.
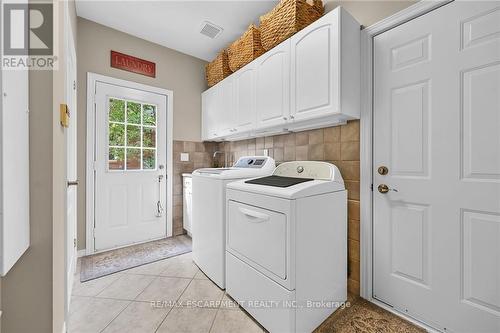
x=184 y=157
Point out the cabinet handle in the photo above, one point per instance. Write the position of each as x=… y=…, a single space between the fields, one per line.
x=292 y=117
x=285 y=118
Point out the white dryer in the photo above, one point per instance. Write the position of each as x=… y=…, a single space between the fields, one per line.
x=209 y=211
x=286 y=245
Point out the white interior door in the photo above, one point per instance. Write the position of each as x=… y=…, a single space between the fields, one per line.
x=437 y=130
x=130 y=168
x=71 y=164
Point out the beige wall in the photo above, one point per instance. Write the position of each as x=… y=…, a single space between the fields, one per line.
x=369 y=12
x=182 y=74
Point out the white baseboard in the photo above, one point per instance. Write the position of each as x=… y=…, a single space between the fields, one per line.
x=81 y=253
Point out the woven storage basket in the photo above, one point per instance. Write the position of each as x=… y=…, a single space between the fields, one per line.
x=287 y=18
x=218 y=69
x=245 y=49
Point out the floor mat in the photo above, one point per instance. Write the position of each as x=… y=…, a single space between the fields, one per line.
x=365 y=317
x=109 y=262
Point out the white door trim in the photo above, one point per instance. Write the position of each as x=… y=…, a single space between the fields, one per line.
x=366 y=139
x=92 y=80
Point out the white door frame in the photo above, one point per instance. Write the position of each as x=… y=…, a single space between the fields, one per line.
x=366 y=142
x=92 y=80
x=69 y=90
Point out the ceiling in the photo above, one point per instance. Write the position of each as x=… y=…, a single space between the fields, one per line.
x=177 y=24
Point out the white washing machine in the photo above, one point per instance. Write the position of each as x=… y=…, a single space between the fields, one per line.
x=209 y=211
x=286 y=245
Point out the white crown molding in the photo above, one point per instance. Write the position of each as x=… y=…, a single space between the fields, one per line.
x=405 y=15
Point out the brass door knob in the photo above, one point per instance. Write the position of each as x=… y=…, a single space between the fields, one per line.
x=382 y=188
x=383 y=170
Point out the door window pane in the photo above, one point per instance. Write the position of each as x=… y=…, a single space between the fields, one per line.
x=116 y=110
x=116 y=134
x=133 y=159
x=149 y=159
x=133 y=113
x=149 y=115
x=149 y=137
x=133 y=136
x=116 y=159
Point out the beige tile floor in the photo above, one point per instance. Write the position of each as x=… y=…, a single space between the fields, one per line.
x=171 y=295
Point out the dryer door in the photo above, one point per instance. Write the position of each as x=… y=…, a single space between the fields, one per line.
x=258 y=235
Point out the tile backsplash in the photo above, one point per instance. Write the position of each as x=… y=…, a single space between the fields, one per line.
x=338 y=145
x=200 y=156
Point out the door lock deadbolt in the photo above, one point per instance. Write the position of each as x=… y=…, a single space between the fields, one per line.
x=383 y=170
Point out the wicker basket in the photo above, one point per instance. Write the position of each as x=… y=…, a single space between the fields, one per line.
x=218 y=69
x=287 y=18
x=245 y=49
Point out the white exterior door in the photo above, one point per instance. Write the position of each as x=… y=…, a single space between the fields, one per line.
x=437 y=130
x=130 y=184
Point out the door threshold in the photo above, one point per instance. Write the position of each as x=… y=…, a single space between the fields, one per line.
x=406 y=317
x=131 y=244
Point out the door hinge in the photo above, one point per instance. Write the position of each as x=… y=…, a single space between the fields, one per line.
x=371 y=187
x=74 y=242
x=74 y=85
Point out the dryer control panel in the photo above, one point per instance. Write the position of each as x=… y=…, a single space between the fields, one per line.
x=309 y=169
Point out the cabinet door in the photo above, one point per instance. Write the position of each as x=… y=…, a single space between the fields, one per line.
x=245 y=99
x=210 y=108
x=273 y=86
x=226 y=116
x=14 y=167
x=315 y=69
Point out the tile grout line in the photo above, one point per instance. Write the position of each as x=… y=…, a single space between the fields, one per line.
x=178 y=298
x=130 y=302
x=112 y=320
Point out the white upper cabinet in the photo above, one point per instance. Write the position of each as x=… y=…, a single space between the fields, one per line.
x=311 y=80
x=244 y=99
x=325 y=61
x=227 y=114
x=210 y=112
x=273 y=86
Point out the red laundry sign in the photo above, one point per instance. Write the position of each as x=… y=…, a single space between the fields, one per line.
x=133 y=64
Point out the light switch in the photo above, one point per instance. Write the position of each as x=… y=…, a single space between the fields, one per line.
x=266 y=152
x=184 y=157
